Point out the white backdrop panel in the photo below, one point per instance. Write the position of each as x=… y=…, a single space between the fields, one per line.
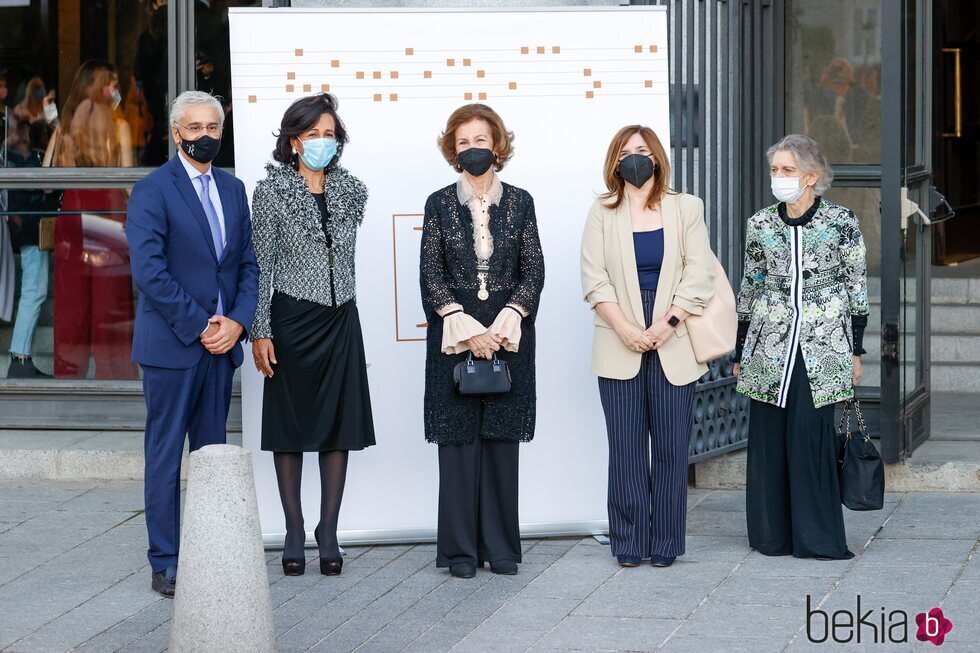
x=564 y=81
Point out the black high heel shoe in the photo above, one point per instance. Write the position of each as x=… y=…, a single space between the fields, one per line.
x=293 y=566
x=331 y=566
x=328 y=566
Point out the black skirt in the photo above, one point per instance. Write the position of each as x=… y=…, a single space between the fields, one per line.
x=318 y=398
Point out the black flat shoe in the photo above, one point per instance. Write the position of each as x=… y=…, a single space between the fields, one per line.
x=293 y=566
x=463 y=570
x=504 y=567
x=847 y=556
x=165 y=582
x=331 y=566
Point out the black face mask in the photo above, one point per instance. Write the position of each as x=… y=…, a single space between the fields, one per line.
x=476 y=160
x=203 y=150
x=636 y=169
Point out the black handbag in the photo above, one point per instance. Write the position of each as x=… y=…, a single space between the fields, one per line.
x=482 y=377
x=860 y=471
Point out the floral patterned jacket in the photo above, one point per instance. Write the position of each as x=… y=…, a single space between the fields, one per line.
x=804 y=280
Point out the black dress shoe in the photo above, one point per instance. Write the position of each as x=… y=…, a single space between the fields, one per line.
x=463 y=570
x=504 y=567
x=165 y=582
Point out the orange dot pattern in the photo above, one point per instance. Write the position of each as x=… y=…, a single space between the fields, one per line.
x=473 y=76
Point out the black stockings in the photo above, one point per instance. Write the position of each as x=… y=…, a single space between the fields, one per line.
x=289 y=474
x=333 y=475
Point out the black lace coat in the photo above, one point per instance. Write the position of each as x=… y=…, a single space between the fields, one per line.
x=448 y=275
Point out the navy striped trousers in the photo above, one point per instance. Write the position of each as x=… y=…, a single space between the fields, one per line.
x=647 y=494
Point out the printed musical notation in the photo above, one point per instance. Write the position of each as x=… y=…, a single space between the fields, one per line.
x=410 y=73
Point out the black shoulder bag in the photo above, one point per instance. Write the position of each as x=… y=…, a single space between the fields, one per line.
x=482 y=377
x=860 y=470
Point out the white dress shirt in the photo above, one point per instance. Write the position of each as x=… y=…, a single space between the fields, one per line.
x=195 y=176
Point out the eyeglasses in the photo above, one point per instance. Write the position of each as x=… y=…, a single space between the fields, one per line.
x=197 y=128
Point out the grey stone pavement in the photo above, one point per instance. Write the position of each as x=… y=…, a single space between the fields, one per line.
x=74 y=577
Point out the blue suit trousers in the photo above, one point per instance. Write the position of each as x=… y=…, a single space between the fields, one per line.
x=193 y=402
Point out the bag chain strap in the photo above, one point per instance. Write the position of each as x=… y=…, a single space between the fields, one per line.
x=845 y=422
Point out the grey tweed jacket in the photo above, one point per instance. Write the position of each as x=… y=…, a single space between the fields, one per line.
x=290 y=245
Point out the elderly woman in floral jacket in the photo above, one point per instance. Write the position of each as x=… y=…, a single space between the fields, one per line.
x=802 y=310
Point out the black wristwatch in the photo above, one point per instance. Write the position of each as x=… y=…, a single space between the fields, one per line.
x=673 y=321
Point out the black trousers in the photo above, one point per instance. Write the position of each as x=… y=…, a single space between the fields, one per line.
x=792 y=496
x=478 y=517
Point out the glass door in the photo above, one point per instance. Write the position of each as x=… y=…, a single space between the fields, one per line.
x=906 y=175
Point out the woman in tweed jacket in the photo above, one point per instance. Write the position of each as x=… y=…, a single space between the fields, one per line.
x=482 y=272
x=307 y=334
x=802 y=310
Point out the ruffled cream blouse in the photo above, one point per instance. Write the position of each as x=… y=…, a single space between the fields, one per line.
x=458 y=327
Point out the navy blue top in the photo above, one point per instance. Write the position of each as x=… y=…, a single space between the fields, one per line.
x=649 y=248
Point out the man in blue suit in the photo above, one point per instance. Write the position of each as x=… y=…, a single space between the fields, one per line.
x=190 y=239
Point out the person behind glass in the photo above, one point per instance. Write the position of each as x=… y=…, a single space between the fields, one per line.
x=802 y=311
x=25 y=148
x=93 y=287
x=306 y=338
x=191 y=241
x=31 y=118
x=482 y=272
x=642 y=292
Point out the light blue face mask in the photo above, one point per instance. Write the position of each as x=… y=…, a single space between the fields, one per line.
x=318 y=152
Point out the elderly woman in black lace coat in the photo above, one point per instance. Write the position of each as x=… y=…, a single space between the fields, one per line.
x=481 y=274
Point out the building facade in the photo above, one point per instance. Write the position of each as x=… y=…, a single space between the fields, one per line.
x=888 y=87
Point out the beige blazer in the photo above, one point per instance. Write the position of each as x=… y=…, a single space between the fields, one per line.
x=609 y=275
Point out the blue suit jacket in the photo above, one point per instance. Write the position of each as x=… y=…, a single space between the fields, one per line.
x=176 y=270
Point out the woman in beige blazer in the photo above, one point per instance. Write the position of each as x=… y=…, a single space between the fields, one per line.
x=641 y=290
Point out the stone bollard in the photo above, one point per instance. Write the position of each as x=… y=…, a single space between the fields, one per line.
x=222 y=601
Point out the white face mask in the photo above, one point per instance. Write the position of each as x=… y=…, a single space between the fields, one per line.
x=50 y=112
x=787 y=189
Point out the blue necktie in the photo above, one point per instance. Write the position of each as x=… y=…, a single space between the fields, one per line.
x=212 y=215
